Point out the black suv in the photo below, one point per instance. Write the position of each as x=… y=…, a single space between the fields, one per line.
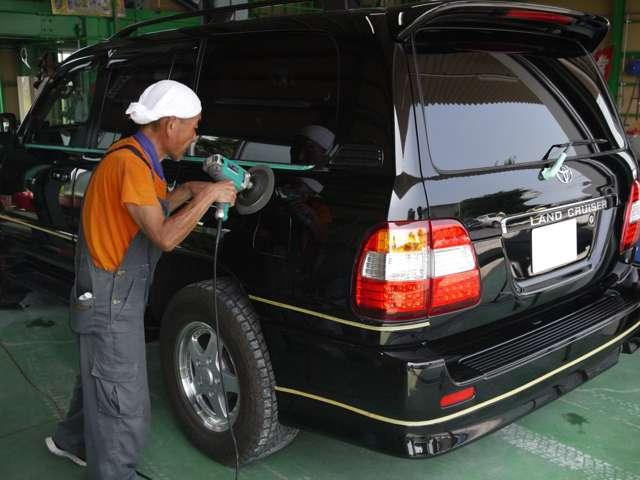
x=460 y=256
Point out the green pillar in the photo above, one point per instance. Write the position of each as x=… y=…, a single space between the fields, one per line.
x=114 y=15
x=617 y=39
x=1 y=98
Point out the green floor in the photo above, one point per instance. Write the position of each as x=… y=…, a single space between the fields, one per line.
x=591 y=433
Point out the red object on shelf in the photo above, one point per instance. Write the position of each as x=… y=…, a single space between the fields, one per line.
x=24 y=200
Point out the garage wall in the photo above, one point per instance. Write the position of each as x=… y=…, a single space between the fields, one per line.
x=629 y=98
x=630 y=84
x=163 y=5
x=599 y=7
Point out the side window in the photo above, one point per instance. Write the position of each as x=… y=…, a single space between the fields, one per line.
x=130 y=72
x=259 y=90
x=63 y=117
x=366 y=129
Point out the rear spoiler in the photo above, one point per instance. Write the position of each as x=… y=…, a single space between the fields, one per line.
x=588 y=30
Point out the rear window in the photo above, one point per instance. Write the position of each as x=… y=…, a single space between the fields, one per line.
x=491 y=109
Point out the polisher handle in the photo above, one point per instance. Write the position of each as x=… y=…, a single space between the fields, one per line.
x=222 y=211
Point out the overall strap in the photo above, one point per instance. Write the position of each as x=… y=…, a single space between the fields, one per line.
x=141 y=250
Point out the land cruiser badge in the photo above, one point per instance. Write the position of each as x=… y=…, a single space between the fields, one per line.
x=569 y=212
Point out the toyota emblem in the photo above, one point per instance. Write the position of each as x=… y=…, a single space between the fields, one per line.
x=565 y=174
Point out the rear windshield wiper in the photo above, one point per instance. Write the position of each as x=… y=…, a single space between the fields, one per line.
x=552 y=171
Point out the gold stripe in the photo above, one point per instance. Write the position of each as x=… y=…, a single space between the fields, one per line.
x=65 y=236
x=364 y=326
x=466 y=411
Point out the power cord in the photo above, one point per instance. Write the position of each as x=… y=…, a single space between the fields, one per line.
x=218 y=362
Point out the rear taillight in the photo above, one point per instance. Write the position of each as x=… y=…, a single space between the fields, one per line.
x=410 y=270
x=631 y=229
x=392 y=278
x=536 y=16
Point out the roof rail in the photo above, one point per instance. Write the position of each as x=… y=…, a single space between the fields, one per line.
x=125 y=32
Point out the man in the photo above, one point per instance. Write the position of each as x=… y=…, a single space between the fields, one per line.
x=312 y=146
x=125 y=225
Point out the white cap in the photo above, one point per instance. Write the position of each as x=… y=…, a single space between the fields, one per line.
x=320 y=135
x=166 y=98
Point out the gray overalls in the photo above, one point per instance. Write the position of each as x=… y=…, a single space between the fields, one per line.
x=109 y=414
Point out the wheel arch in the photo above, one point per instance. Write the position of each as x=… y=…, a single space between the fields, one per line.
x=174 y=271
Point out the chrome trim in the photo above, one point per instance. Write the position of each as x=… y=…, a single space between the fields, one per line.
x=383 y=328
x=561 y=283
x=612 y=201
x=57 y=233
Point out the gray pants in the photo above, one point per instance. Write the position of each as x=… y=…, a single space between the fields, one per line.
x=108 y=419
x=110 y=405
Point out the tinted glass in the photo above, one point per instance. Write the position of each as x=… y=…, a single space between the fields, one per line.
x=486 y=109
x=130 y=73
x=579 y=80
x=259 y=89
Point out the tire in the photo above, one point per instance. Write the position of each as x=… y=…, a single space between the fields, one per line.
x=190 y=374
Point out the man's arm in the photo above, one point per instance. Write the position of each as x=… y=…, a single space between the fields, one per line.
x=178 y=196
x=183 y=193
x=168 y=233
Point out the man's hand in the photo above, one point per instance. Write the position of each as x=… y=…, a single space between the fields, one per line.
x=222 y=192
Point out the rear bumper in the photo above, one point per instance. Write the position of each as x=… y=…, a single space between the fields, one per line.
x=389 y=400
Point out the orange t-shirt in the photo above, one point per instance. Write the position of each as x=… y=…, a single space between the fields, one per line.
x=121 y=178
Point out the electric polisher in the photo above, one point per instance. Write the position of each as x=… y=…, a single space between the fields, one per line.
x=255 y=186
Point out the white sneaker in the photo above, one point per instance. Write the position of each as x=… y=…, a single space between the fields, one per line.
x=53 y=448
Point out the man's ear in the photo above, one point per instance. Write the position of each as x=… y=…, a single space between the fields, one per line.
x=169 y=126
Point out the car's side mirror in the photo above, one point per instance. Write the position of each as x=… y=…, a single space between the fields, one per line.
x=8 y=124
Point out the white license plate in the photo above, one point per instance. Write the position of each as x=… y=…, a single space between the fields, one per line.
x=553 y=245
